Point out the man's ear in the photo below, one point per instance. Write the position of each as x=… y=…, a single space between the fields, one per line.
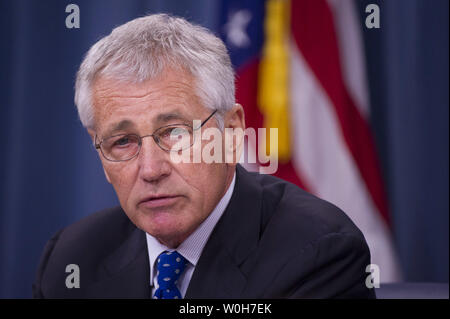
x=234 y=127
x=235 y=118
x=91 y=133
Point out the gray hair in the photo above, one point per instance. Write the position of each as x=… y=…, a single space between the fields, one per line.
x=142 y=48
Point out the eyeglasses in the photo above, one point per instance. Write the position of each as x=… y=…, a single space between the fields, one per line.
x=124 y=147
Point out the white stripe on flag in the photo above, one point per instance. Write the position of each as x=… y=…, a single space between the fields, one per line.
x=351 y=52
x=322 y=158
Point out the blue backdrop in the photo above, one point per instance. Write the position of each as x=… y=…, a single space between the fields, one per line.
x=50 y=175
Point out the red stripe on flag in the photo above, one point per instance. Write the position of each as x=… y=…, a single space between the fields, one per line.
x=246 y=94
x=314 y=34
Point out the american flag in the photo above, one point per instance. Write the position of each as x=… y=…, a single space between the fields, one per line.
x=300 y=67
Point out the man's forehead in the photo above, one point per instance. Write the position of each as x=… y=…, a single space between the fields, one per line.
x=111 y=91
x=169 y=78
x=108 y=93
x=118 y=105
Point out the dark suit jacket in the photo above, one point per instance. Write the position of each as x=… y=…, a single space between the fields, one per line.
x=274 y=240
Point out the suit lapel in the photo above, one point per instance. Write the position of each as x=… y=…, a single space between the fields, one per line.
x=219 y=272
x=216 y=275
x=125 y=273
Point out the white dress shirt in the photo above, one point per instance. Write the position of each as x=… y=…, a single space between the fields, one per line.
x=191 y=248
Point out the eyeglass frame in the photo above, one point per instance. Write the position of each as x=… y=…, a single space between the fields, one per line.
x=155 y=138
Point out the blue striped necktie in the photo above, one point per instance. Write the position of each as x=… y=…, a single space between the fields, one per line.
x=170 y=266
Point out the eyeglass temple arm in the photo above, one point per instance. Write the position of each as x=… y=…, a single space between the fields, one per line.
x=207 y=119
x=96 y=145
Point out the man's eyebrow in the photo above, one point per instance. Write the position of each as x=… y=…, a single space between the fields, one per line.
x=122 y=125
x=161 y=119
x=166 y=117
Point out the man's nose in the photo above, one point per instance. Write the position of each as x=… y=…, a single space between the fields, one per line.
x=153 y=161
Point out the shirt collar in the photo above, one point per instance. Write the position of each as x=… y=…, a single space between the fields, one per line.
x=192 y=247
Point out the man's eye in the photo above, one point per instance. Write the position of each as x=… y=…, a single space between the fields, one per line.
x=179 y=131
x=124 y=141
x=174 y=132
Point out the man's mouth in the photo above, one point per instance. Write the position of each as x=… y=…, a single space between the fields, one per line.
x=156 y=201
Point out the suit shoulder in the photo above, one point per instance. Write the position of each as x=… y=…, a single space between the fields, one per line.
x=93 y=237
x=290 y=211
x=101 y=222
x=101 y=229
x=84 y=243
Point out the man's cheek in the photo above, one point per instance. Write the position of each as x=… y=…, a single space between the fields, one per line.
x=123 y=191
x=119 y=178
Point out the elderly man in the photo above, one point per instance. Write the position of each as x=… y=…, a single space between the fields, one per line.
x=189 y=229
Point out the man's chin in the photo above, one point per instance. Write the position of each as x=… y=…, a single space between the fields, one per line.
x=165 y=227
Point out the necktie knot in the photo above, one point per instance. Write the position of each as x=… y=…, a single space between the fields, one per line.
x=170 y=265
